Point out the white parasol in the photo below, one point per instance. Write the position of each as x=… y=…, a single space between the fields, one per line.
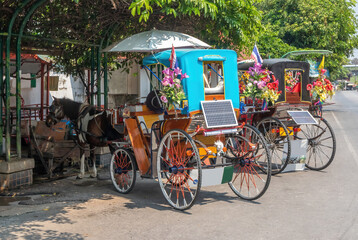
x=156 y=40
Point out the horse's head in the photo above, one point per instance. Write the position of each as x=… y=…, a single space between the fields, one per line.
x=56 y=113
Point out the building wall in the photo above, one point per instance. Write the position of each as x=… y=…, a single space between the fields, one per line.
x=123 y=86
x=68 y=86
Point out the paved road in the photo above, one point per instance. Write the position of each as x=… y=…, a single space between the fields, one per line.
x=299 y=205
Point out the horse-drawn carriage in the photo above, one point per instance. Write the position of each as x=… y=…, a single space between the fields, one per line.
x=204 y=140
x=295 y=122
x=204 y=144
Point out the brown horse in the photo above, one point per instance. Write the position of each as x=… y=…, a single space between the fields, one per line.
x=92 y=127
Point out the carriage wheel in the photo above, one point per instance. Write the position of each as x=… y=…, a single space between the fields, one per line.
x=321 y=145
x=279 y=145
x=123 y=170
x=179 y=169
x=252 y=166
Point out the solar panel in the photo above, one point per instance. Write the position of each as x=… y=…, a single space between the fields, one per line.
x=302 y=117
x=219 y=113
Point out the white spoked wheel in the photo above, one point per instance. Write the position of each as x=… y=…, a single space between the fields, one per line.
x=321 y=143
x=277 y=139
x=179 y=169
x=123 y=170
x=252 y=163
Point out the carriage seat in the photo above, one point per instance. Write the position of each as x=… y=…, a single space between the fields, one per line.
x=145 y=116
x=219 y=89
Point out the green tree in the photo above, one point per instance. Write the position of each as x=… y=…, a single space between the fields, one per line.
x=75 y=25
x=314 y=24
x=271 y=45
x=224 y=24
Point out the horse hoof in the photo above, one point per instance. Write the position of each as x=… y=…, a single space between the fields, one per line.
x=93 y=176
x=79 y=177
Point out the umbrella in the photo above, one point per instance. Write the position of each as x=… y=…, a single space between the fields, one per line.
x=156 y=40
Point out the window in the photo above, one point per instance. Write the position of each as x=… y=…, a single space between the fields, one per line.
x=213 y=77
x=53 y=83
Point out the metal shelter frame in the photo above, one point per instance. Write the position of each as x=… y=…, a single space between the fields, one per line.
x=5 y=41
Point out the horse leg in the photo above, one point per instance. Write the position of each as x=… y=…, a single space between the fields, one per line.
x=82 y=165
x=93 y=158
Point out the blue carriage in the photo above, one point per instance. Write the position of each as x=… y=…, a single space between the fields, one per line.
x=201 y=146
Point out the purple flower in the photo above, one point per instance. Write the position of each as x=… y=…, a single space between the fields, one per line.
x=255 y=70
x=261 y=84
x=177 y=71
x=168 y=79
x=184 y=76
x=164 y=99
x=167 y=72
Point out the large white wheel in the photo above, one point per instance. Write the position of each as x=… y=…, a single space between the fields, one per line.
x=179 y=169
x=251 y=161
x=277 y=139
x=321 y=143
x=123 y=170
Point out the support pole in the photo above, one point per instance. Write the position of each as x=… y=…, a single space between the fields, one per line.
x=18 y=76
x=92 y=76
x=105 y=81
x=7 y=79
x=42 y=92
x=99 y=76
x=109 y=34
x=1 y=93
x=88 y=91
x=48 y=87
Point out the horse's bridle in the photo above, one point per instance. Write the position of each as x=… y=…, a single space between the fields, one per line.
x=56 y=113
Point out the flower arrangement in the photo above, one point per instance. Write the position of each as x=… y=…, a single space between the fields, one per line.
x=258 y=84
x=321 y=88
x=291 y=79
x=172 y=92
x=271 y=94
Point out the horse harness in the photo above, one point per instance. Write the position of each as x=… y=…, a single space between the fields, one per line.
x=81 y=123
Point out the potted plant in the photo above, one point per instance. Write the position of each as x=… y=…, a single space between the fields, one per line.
x=172 y=92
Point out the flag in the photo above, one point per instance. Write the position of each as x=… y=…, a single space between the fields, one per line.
x=321 y=66
x=256 y=55
x=173 y=59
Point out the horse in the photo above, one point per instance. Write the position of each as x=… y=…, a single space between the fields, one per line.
x=92 y=127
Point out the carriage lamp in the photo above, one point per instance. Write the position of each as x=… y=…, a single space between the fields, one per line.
x=219 y=147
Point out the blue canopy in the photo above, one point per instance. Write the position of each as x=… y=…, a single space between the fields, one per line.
x=191 y=62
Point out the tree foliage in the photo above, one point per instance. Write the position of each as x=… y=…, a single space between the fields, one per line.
x=314 y=24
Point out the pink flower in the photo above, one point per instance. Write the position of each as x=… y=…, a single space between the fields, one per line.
x=167 y=72
x=177 y=85
x=164 y=99
x=184 y=76
x=261 y=84
x=177 y=71
x=255 y=82
x=165 y=83
x=168 y=79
